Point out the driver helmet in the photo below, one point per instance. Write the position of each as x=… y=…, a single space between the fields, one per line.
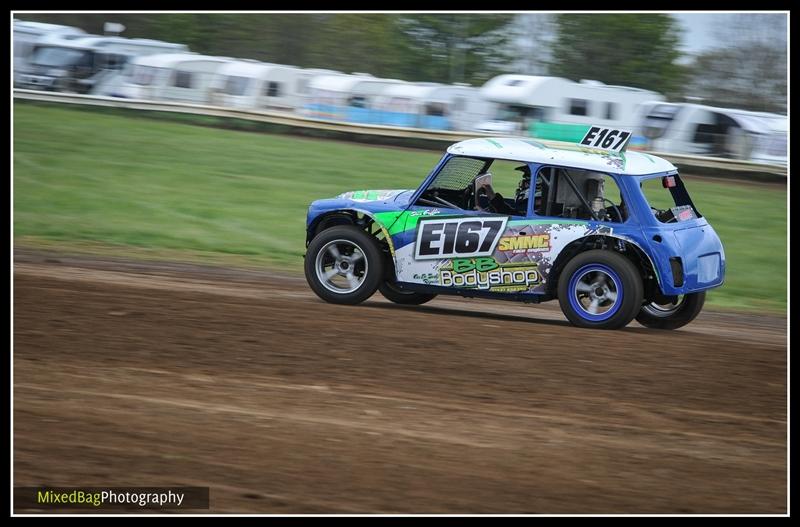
x=524 y=187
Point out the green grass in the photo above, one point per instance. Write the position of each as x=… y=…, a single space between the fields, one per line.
x=135 y=185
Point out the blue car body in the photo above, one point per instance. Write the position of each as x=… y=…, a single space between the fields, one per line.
x=677 y=258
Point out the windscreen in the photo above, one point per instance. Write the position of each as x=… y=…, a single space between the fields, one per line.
x=59 y=57
x=659 y=119
x=452 y=185
x=235 y=85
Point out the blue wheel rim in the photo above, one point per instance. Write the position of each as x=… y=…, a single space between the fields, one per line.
x=595 y=292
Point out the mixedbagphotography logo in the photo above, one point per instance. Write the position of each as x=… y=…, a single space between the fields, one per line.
x=100 y=498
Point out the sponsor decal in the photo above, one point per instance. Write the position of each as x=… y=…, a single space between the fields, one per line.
x=527 y=243
x=615 y=160
x=485 y=274
x=599 y=229
x=426 y=212
x=369 y=195
x=458 y=237
x=427 y=278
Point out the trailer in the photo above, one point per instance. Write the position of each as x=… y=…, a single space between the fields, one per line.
x=84 y=64
x=559 y=109
x=432 y=105
x=346 y=97
x=261 y=85
x=697 y=129
x=184 y=77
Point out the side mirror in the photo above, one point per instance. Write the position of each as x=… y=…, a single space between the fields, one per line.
x=482 y=185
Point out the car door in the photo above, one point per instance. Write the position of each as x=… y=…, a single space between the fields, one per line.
x=448 y=246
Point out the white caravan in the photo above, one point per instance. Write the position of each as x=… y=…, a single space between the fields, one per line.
x=696 y=129
x=345 y=97
x=260 y=85
x=184 y=77
x=86 y=63
x=433 y=105
x=560 y=104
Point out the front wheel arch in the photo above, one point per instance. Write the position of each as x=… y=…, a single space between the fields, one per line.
x=344 y=265
x=359 y=218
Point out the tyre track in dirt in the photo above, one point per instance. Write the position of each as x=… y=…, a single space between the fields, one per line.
x=146 y=373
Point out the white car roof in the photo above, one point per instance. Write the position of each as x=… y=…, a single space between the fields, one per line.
x=528 y=150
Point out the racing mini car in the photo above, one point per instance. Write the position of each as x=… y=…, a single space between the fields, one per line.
x=613 y=235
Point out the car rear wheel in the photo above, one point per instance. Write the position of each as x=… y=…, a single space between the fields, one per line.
x=676 y=312
x=401 y=296
x=600 y=289
x=344 y=265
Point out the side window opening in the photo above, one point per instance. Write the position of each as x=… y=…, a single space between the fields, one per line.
x=183 y=79
x=578 y=107
x=659 y=120
x=357 y=101
x=486 y=185
x=668 y=199
x=273 y=89
x=435 y=109
x=578 y=194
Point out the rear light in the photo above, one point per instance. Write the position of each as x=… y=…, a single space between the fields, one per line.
x=668 y=181
x=677 y=271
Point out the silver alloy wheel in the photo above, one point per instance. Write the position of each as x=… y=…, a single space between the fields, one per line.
x=341 y=266
x=664 y=310
x=596 y=292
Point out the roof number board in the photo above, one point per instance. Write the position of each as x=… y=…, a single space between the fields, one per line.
x=612 y=139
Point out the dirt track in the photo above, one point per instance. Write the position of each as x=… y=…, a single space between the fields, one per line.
x=157 y=374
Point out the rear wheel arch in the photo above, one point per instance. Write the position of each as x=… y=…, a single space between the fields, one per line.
x=600 y=289
x=628 y=248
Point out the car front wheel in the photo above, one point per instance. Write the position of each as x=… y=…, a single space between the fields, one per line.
x=344 y=265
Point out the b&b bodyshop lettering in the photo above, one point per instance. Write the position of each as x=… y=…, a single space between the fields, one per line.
x=512 y=278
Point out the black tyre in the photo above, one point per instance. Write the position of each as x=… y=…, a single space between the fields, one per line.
x=400 y=296
x=344 y=265
x=600 y=289
x=674 y=314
